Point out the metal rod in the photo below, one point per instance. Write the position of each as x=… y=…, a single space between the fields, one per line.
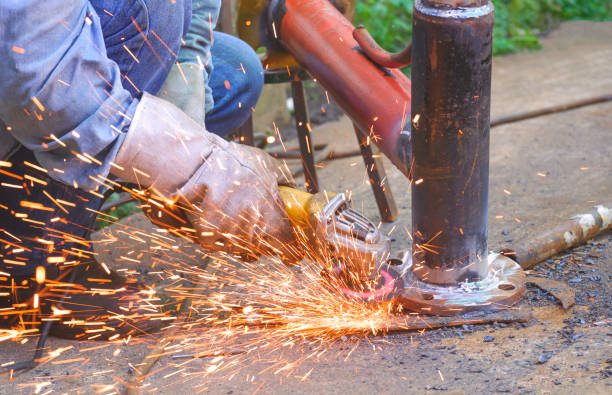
x=225 y=23
x=293 y=153
x=319 y=157
x=386 y=59
x=571 y=233
x=378 y=180
x=245 y=132
x=551 y=110
x=411 y=322
x=303 y=130
x=451 y=97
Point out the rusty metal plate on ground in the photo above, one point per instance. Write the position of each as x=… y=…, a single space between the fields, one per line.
x=561 y=291
x=419 y=322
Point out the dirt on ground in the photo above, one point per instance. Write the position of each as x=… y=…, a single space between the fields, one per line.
x=543 y=171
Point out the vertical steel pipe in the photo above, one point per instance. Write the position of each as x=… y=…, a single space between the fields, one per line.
x=451 y=89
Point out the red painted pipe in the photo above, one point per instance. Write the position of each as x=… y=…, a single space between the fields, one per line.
x=377 y=99
x=371 y=48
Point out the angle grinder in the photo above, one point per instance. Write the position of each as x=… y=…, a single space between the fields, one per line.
x=355 y=256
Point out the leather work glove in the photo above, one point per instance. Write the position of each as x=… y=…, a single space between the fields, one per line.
x=228 y=193
x=184 y=87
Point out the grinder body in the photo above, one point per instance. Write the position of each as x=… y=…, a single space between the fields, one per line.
x=336 y=234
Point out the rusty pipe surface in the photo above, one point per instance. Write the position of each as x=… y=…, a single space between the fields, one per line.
x=451 y=92
x=378 y=55
x=571 y=233
x=455 y=4
x=376 y=98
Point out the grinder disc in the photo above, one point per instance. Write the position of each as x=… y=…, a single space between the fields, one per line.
x=385 y=287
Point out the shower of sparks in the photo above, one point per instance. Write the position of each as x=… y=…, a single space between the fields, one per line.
x=219 y=312
x=235 y=309
x=241 y=308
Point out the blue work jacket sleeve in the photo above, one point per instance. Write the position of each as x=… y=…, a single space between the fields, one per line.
x=60 y=95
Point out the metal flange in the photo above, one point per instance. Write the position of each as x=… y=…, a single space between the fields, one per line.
x=503 y=286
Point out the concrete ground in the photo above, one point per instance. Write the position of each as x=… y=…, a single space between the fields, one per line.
x=543 y=171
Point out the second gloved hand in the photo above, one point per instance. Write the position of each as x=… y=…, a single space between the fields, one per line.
x=228 y=192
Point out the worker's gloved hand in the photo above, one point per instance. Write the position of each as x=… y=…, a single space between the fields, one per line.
x=185 y=88
x=237 y=203
x=228 y=192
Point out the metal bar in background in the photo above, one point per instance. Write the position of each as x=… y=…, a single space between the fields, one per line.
x=302 y=124
x=245 y=132
x=225 y=23
x=551 y=110
x=378 y=179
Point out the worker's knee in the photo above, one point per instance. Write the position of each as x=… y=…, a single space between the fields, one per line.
x=248 y=76
x=236 y=82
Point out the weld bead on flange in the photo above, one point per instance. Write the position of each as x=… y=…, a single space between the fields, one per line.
x=502 y=288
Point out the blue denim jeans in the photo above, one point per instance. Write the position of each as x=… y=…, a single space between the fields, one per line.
x=234 y=61
x=236 y=82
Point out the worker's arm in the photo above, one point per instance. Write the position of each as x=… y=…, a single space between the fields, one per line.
x=228 y=192
x=60 y=95
x=62 y=98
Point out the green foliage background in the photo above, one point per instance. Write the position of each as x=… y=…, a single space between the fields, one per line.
x=122 y=211
x=518 y=23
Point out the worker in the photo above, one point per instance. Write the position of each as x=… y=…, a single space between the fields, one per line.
x=139 y=90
